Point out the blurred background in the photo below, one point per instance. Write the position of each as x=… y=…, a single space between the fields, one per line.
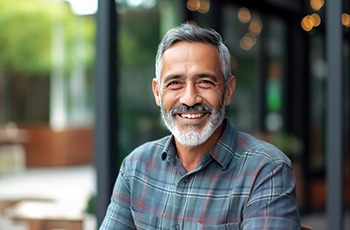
x=76 y=98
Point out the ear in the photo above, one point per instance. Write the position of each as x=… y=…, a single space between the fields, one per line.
x=230 y=90
x=155 y=90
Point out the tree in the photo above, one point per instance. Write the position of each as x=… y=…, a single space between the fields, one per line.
x=26 y=38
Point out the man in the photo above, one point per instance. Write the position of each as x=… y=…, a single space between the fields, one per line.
x=206 y=175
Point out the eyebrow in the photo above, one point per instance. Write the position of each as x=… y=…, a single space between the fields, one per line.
x=208 y=75
x=197 y=76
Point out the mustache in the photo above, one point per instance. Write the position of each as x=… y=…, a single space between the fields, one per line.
x=196 y=108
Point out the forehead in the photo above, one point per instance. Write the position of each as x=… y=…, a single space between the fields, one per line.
x=182 y=48
x=191 y=57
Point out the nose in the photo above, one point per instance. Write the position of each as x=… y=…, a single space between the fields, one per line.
x=190 y=95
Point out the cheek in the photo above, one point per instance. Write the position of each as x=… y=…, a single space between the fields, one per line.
x=216 y=98
x=167 y=99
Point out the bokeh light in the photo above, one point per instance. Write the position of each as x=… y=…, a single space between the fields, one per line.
x=316 y=4
x=315 y=19
x=247 y=41
x=256 y=26
x=193 y=5
x=244 y=15
x=306 y=23
x=345 y=19
x=202 y=6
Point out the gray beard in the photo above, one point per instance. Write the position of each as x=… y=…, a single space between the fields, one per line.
x=192 y=136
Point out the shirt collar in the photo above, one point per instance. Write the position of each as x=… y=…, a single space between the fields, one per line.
x=222 y=151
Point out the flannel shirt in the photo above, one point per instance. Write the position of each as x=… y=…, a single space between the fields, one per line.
x=241 y=183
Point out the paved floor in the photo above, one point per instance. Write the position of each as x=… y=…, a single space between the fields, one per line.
x=72 y=187
x=69 y=187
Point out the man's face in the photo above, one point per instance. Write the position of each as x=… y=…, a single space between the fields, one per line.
x=191 y=92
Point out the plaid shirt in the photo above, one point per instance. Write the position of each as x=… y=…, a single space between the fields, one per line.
x=241 y=183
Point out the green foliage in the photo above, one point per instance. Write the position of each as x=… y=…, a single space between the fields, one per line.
x=26 y=35
x=90 y=205
x=139 y=38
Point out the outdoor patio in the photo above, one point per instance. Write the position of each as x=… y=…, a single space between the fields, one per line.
x=52 y=194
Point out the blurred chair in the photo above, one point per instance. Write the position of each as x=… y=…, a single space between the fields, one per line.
x=12 y=152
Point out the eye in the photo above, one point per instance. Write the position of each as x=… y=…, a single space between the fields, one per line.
x=174 y=85
x=205 y=83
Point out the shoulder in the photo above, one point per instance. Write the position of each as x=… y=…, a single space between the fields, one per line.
x=147 y=152
x=257 y=162
x=259 y=151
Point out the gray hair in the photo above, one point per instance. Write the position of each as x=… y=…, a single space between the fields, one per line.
x=192 y=33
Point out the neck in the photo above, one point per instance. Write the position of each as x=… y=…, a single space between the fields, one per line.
x=191 y=156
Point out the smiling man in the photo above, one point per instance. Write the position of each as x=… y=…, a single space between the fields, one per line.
x=206 y=174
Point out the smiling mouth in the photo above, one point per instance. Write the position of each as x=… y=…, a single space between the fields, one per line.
x=192 y=115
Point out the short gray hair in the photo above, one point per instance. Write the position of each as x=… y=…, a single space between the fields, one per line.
x=192 y=33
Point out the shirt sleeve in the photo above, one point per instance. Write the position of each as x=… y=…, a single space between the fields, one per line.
x=272 y=203
x=118 y=215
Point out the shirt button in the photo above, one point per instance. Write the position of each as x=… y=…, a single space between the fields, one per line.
x=176 y=227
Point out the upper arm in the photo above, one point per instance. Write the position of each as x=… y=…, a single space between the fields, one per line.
x=118 y=215
x=272 y=202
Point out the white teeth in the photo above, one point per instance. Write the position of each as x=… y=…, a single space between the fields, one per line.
x=191 y=116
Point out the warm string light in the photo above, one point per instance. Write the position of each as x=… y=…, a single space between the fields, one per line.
x=316 y=5
x=202 y=6
x=255 y=27
x=244 y=15
x=311 y=21
x=247 y=41
x=345 y=19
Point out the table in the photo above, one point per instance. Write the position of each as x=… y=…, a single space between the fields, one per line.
x=46 y=215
